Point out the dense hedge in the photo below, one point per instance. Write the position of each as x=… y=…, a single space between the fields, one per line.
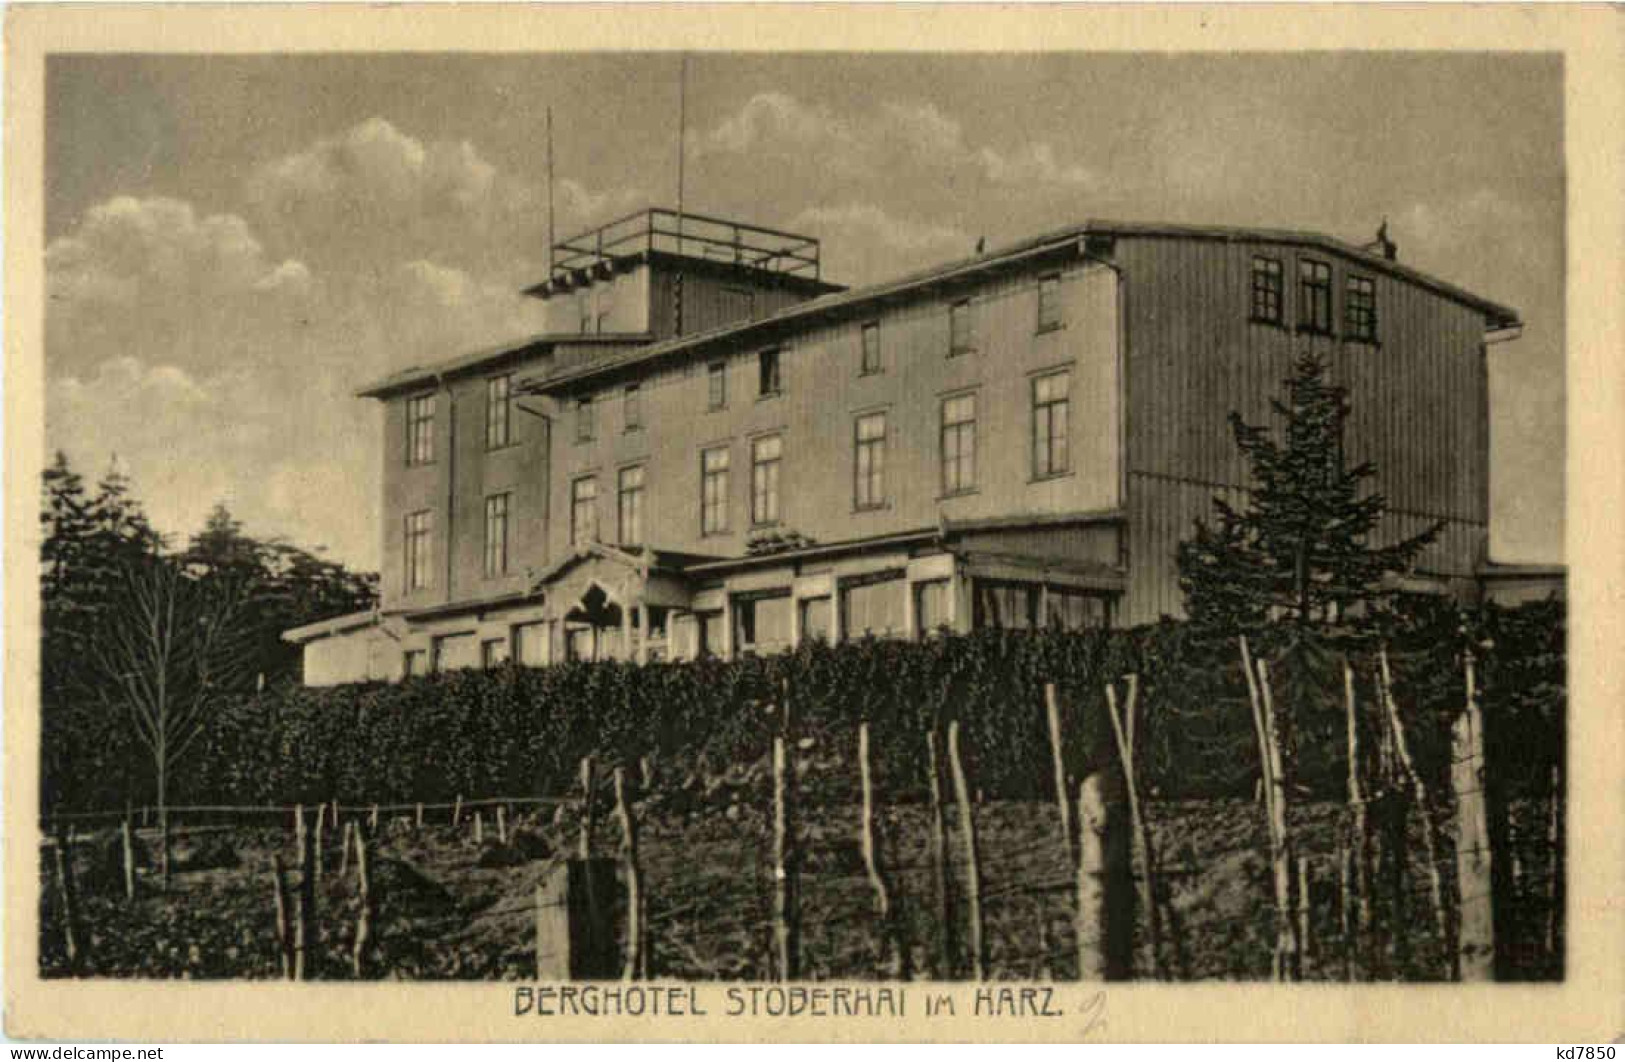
x=521 y=731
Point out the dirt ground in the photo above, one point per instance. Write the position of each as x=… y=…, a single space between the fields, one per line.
x=448 y=908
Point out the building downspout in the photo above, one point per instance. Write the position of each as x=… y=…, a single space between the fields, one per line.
x=451 y=480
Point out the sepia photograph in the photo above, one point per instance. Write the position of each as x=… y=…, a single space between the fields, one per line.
x=608 y=524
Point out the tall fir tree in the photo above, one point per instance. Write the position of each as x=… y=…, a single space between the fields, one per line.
x=1302 y=546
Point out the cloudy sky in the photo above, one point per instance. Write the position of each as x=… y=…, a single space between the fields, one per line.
x=235 y=244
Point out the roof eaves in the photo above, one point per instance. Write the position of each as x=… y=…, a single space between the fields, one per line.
x=848 y=300
x=480 y=359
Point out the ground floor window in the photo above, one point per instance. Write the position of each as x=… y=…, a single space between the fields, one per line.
x=873 y=605
x=1071 y=609
x=493 y=652
x=815 y=616
x=1005 y=605
x=530 y=644
x=452 y=651
x=1008 y=605
x=762 y=624
x=933 y=606
x=414 y=662
x=710 y=634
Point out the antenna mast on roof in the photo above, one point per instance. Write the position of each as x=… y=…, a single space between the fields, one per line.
x=682 y=142
x=550 y=193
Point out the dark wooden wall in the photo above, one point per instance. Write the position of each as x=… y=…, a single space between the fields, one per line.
x=1419 y=396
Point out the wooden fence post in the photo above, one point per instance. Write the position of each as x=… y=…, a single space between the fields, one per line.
x=363 y=919
x=502 y=825
x=67 y=894
x=372 y=819
x=1142 y=832
x=584 y=848
x=1555 y=890
x=784 y=942
x=1105 y=914
x=419 y=820
x=299 y=827
x=344 y=850
x=284 y=944
x=1360 y=829
x=1424 y=806
x=634 y=880
x=304 y=958
x=1063 y=798
x=127 y=846
x=947 y=943
x=1306 y=942
x=457 y=811
x=479 y=828
x=973 y=874
x=575 y=938
x=1345 y=859
x=889 y=927
x=1261 y=697
x=1475 y=947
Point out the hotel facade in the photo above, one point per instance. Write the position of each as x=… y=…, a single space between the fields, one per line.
x=712 y=450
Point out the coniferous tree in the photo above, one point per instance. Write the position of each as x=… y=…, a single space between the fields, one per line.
x=1293 y=564
x=1302 y=547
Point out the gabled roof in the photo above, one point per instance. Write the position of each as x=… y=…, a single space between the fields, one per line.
x=1061 y=243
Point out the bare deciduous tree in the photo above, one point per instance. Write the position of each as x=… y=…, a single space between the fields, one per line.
x=174 y=642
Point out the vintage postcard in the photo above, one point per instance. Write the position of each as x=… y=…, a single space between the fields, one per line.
x=896 y=523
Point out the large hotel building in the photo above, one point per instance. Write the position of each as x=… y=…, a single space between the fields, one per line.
x=712 y=450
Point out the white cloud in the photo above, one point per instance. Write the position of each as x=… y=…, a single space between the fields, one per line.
x=1035 y=164
x=777 y=125
x=863 y=243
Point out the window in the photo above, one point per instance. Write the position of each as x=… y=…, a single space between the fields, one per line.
x=629 y=505
x=414 y=662
x=766 y=454
x=1051 y=408
x=959 y=444
x=531 y=643
x=419 y=544
x=933 y=606
x=498 y=402
x=762 y=623
x=453 y=652
x=1071 y=609
x=632 y=407
x=714 y=491
x=1266 y=290
x=961 y=339
x=869 y=466
x=873 y=606
x=606 y=303
x=584 y=511
x=493 y=652
x=496 y=535
x=1049 y=303
x=584 y=425
x=420 y=430
x=584 y=310
x=870 y=361
x=716 y=380
x=1314 y=296
x=815 y=617
x=1360 y=310
x=767 y=373
x=1005 y=606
